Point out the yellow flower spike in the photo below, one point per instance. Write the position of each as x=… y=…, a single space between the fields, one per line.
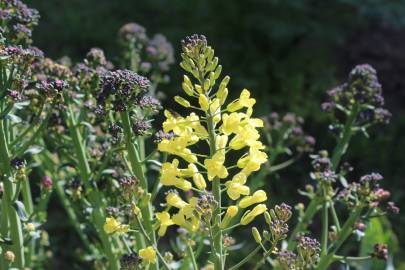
x=112 y=225
x=215 y=165
x=204 y=103
x=198 y=178
x=249 y=216
x=182 y=101
x=164 y=221
x=173 y=199
x=231 y=212
x=148 y=255
x=235 y=190
x=257 y=197
x=231 y=123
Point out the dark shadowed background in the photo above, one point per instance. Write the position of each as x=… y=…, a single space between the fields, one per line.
x=288 y=53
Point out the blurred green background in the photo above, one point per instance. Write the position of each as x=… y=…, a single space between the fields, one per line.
x=288 y=53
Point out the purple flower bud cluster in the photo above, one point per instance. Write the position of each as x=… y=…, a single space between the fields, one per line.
x=287 y=260
x=18 y=21
x=153 y=55
x=289 y=129
x=362 y=93
x=116 y=133
x=50 y=88
x=206 y=205
x=46 y=183
x=88 y=73
x=368 y=192
x=141 y=127
x=308 y=250
x=380 y=251
x=323 y=170
x=194 y=45
x=130 y=261
x=121 y=89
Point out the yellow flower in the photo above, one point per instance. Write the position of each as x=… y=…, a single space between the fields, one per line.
x=170 y=176
x=246 y=136
x=173 y=199
x=165 y=221
x=231 y=123
x=198 y=178
x=253 y=161
x=235 y=189
x=257 y=197
x=244 y=101
x=112 y=225
x=249 y=216
x=221 y=142
x=148 y=255
x=231 y=212
x=215 y=165
x=203 y=101
x=215 y=110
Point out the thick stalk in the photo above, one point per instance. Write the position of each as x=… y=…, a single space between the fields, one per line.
x=325 y=228
x=341 y=238
x=13 y=219
x=94 y=197
x=216 y=190
x=137 y=169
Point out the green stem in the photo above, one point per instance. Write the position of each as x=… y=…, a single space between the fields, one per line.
x=341 y=238
x=191 y=255
x=9 y=189
x=325 y=226
x=344 y=139
x=94 y=197
x=246 y=259
x=216 y=190
x=334 y=215
x=136 y=165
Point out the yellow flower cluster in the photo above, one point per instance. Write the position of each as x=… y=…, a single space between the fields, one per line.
x=112 y=225
x=225 y=128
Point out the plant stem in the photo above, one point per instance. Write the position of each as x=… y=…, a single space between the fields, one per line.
x=191 y=254
x=341 y=238
x=94 y=197
x=14 y=221
x=325 y=227
x=136 y=165
x=344 y=139
x=216 y=190
x=246 y=259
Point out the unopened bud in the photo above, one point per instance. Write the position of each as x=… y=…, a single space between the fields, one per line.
x=256 y=235
x=9 y=256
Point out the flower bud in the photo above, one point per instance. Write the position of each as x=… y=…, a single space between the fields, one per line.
x=182 y=101
x=9 y=256
x=203 y=101
x=256 y=235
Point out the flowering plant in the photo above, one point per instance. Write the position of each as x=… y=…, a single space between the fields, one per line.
x=177 y=200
